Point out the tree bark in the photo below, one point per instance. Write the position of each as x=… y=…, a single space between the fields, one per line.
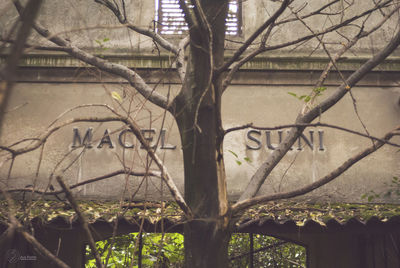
x=198 y=115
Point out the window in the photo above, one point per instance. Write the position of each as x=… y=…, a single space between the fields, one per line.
x=170 y=18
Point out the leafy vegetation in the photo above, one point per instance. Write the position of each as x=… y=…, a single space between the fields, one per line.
x=238 y=159
x=306 y=98
x=393 y=190
x=157 y=250
x=268 y=252
x=166 y=250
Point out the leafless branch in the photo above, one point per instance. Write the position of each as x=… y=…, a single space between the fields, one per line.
x=313 y=13
x=124 y=20
x=38 y=47
x=244 y=204
x=41 y=249
x=131 y=76
x=8 y=72
x=361 y=34
x=236 y=65
x=256 y=34
x=15 y=226
x=82 y=220
x=136 y=131
x=262 y=48
x=87 y=181
x=329 y=29
x=332 y=62
x=319 y=124
x=189 y=17
x=262 y=173
x=180 y=60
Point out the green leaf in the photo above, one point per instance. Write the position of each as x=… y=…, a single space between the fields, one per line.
x=248 y=160
x=106 y=39
x=319 y=89
x=370 y=198
x=116 y=96
x=293 y=94
x=307 y=99
x=234 y=154
x=238 y=162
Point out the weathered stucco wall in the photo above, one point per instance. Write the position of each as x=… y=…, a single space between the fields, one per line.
x=87 y=24
x=259 y=95
x=33 y=107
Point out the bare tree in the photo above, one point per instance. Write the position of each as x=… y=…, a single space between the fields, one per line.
x=206 y=70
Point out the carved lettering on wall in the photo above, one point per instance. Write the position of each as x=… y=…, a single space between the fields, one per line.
x=256 y=139
x=86 y=140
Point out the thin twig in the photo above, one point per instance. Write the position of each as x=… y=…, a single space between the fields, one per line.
x=241 y=205
x=96 y=179
x=124 y=21
x=82 y=219
x=131 y=76
x=318 y=124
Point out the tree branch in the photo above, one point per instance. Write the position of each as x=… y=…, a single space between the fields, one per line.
x=8 y=72
x=236 y=65
x=190 y=19
x=15 y=225
x=92 y=180
x=82 y=219
x=318 y=124
x=136 y=131
x=180 y=60
x=41 y=249
x=273 y=159
x=131 y=76
x=256 y=34
x=153 y=35
x=244 y=204
x=329 y=29
x=315 y=12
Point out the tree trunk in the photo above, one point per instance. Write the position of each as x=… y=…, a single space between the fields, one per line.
x=206 y=244
x=207 y=235
x=198 y=115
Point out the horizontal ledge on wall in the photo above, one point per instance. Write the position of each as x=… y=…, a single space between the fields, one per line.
x=165 y=61
x=243 y=77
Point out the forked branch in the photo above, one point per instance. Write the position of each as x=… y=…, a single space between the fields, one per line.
x=131 y=76
x=239 y=52
x=273 y=159
x=149 y=33
x=82 y=220
x=88 y=181
x=138 y=134
x=244 y=204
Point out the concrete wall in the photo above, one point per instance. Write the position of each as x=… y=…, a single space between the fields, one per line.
x=84 y=22
x=257 y=97
x=33 y=107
